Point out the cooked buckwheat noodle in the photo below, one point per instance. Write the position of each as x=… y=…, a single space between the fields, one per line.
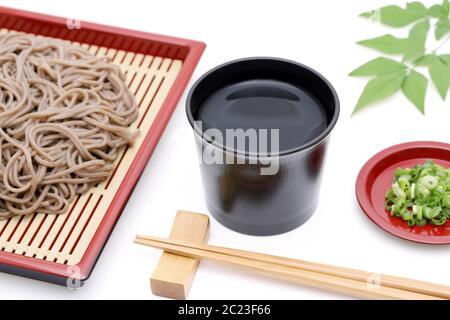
x=64 y=115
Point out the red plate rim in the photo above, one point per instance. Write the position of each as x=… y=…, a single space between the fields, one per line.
x=366 y=203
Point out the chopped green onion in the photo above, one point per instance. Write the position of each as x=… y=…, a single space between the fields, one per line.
x=420 y=195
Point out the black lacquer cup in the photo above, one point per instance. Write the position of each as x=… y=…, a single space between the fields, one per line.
x=271 y=186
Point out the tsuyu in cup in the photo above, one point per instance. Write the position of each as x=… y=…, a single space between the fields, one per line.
x=262 y=126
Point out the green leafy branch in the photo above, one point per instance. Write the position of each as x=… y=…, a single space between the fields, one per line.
x=389 y=75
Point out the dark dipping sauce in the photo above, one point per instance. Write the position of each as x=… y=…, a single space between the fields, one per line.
x=262 y=93
x=265 y=104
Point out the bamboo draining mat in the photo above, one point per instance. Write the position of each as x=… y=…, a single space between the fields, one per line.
x=64 y=239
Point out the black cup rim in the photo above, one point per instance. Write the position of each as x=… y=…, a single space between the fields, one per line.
x=307 y=145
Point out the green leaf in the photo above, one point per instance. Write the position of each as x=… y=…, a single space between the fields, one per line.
x=437 y=11
x=446 y=6
x=417 y=38
x=380 y=88
x=442 y=28
x=412 y=48
x=377 y=67
x=440 y=74
x=426 y=60
x=445 y=58
x=395 y=16
x=387 y=44
x=440 y=11
x=417 y=8
x=415 y=87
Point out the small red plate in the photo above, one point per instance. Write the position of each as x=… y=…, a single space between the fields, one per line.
x=375 y=179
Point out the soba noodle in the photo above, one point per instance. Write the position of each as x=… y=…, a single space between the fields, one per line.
x=64 y=115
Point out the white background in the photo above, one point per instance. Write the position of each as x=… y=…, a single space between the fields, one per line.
x=319 y=33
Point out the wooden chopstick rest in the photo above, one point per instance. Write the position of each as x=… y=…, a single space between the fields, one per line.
x=173 y=275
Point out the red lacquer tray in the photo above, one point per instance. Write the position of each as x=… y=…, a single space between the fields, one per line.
x=376 y=177
x=63 y=249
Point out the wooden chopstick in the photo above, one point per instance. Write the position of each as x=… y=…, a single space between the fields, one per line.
x=417 y=286
x=284 y=269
